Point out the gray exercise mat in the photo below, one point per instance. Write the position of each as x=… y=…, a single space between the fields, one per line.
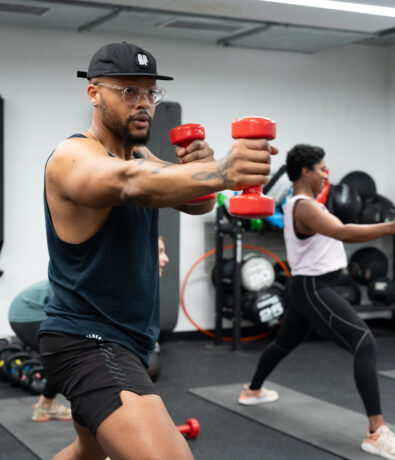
x=388 y=374
x=326 y=426
x=44 y=439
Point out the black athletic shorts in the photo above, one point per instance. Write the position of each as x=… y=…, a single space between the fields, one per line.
x=91 y=374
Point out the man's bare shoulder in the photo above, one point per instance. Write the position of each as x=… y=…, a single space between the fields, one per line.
x=70 y=150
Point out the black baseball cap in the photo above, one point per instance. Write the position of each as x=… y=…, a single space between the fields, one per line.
x=122 y=59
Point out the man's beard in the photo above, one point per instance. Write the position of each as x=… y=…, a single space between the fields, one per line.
x=131 y=140
x=112 y=122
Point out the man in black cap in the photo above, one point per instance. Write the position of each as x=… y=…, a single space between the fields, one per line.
x=102 y=191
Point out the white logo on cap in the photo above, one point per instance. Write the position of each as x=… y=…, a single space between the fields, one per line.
x=142 y=59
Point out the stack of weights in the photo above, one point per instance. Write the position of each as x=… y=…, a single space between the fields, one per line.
x=355 y=200
x=20 y=367
x=369 y=267
x=263 y=299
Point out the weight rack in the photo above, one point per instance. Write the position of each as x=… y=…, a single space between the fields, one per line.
x=225 y=224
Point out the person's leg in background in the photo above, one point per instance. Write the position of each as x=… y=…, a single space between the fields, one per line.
x=46 y=408
x=339 y=322
x=294 y=328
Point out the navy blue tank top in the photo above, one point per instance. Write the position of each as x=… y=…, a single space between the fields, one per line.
x=107 y=287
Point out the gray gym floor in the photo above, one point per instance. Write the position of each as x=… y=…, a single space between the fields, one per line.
x=317 y=369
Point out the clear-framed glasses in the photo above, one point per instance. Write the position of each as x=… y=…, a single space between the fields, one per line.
x=131 y=95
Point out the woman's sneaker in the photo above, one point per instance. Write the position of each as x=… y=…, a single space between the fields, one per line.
x=55 y=412
x=251 y=397
x=381 y=442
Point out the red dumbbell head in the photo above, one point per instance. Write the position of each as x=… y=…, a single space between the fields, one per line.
x=194 y=427
x=254 y=128
x=183 y=135
x=252 y=204
x=191 y=428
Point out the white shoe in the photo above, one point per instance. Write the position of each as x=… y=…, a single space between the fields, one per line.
x=252 y=397
x=381 y=442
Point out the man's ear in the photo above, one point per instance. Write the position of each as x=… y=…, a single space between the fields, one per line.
x=93 y=94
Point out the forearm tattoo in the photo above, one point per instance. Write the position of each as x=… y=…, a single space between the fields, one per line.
x=222 y=173
x=164 y=165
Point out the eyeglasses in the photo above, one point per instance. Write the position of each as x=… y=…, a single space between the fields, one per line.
x=131 y=95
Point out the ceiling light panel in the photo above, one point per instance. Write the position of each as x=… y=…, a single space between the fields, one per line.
x=173 y=27
x=15 y=8
x=56 y=15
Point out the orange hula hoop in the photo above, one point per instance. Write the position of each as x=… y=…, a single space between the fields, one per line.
x=203 y=257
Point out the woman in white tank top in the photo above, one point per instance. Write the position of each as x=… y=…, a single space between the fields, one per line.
x=313 y=238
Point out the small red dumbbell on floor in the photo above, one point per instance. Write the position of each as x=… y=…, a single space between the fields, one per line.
x=183 y=135
x=191 y=428
x=252 y=203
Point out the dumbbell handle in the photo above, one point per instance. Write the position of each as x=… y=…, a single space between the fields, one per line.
x=183 y=135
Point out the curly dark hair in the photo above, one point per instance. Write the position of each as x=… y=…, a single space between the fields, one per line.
x=302 y=156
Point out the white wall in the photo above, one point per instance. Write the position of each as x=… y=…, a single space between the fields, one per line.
x=337 y=99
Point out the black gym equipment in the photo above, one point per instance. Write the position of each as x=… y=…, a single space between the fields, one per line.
x=256 y=273
x=346 y=203
x=14 y=364
x=329 y=200
x=280 y=276
x=168 y=115
x=389 y=215
x=381 y=291
x=5 y=352
x=381 y=209
x=234 y=227
x=154 y=367
x=265 y=307
x=226 y=272
x=37 y=380
x=372 y=213
x=348 y=288
x=362 y=183
x=383 y=201
x=367 y=264
x=28 y=366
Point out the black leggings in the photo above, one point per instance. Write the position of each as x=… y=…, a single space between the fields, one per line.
x=27 y=333
x=312 y=302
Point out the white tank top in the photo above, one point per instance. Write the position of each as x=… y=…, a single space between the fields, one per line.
x=313 y=256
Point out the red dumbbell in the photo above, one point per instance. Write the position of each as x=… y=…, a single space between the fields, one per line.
x=183 y=135
x=252 y=203
x=191 y=428
x=323 y=196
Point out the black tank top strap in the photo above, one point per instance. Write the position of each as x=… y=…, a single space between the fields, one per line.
x=78 y=135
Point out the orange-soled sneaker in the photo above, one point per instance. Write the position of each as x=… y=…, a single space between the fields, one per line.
x=381 y=442
x=55 y=412
x=252 y=397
